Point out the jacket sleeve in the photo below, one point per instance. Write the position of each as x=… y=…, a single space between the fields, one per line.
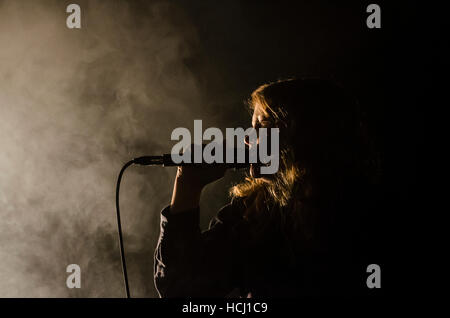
x=189 y=263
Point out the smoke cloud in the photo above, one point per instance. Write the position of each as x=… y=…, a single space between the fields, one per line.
x=74 y=106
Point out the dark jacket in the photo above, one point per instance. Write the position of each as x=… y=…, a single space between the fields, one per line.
x=232 y=259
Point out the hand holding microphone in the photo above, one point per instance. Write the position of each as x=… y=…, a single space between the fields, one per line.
x=193 y=177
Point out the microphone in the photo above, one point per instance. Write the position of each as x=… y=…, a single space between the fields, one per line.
x=165 y=160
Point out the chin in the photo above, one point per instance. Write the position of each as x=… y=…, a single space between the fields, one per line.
x=255 y=172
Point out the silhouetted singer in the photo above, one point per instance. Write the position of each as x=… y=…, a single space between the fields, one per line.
x=291 y=234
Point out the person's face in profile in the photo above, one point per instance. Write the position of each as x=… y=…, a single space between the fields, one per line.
x=260 y=119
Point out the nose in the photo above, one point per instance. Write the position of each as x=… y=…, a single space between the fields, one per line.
x=247 y=140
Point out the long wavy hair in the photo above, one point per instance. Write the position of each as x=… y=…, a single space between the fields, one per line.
x=324 y=156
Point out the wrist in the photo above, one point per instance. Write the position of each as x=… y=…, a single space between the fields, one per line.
x=185 y=196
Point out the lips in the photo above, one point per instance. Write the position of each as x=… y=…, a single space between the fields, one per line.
x=255 y=170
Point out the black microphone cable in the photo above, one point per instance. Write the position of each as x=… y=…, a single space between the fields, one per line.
x=119 y=228
x=147 y=160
